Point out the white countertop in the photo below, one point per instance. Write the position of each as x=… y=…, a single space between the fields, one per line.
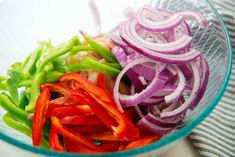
x=183 y=148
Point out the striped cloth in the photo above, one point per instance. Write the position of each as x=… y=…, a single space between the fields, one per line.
x=215 y=136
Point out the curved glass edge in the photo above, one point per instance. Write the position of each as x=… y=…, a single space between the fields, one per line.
x=161 y=143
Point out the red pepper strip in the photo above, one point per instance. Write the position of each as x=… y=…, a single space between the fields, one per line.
x=101 y=84
x=84 y=98
x=56 y=87
x=88 y=129
x=76 y=148
x=143 y=141
x=74 y=136
x=80 y=119
x=40 y=116
x=104 y=136
x=88 y=86
x=111 y=145
x=60 y=100
x=53 y=140
x=68 y=110
x=125 y=128
x=131 y=114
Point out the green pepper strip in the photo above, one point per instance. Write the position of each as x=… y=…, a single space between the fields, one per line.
x=88 y=63
x=76 y=49
x=16 y=66
x=9 y=106
x=114 y=65
x=52 y=76
x=23 y=100
x=35 y=90
x=103 y=52
x=3 y=85
x=64 y=48
x=100 y=67
x=30 y=67
x=11 y=122
x=12 y=85
x=25 y=83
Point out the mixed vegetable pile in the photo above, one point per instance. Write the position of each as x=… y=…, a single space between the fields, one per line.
x=108 y=93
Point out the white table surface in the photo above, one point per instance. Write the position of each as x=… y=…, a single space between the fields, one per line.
x=183 y=148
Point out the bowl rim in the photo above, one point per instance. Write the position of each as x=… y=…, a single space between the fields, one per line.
x=161 y=143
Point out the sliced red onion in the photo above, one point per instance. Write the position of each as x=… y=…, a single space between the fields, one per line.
x=117 y=40
x=172 y=35
x=147 y=72
x=150 y=13
x=151 y=102
x=167 y=89
x=167 y=58
x=154 y=51
x=171 y=107
x=191 y=99
x=165 y=123
x=187 y=71
x=159 y=26
x=129 y=13
x=122 y=59
x=119 y=77
x=120 y=55
x=193 y=14
x=159 y=38
x=169 y=48
x=204 y=82
x=174 y=96
x=142 y=80
x=149 y=126
x=132 y=100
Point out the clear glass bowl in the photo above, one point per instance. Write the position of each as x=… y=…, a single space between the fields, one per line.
x=22 y=23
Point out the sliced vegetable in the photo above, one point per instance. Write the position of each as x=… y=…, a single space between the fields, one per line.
x=74 y=136
x=11 y=122
x=100 y=49
x=54 y=140
x=40 y=116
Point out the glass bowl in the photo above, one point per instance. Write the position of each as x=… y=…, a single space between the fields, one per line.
x=22 y=23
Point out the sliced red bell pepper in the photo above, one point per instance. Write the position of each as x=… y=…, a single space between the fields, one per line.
x=74 y=136
x=80 y=119
x=125 y=128
x=58 y=87
x=53 y=140
x=40 y=115
x=88 y=86
x=88 y=129
x=101 y=84
x=60 y=100
x=68 y=110
x=142 y=141
x=84 y=98
x=112 y=145
x=104 y=136
x=131 y=114
x=77 y=148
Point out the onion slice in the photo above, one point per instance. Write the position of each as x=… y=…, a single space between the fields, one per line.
x=189 y=14
x=158 y=26
x=174 y=96
x=167 y=58
x=196 y=86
